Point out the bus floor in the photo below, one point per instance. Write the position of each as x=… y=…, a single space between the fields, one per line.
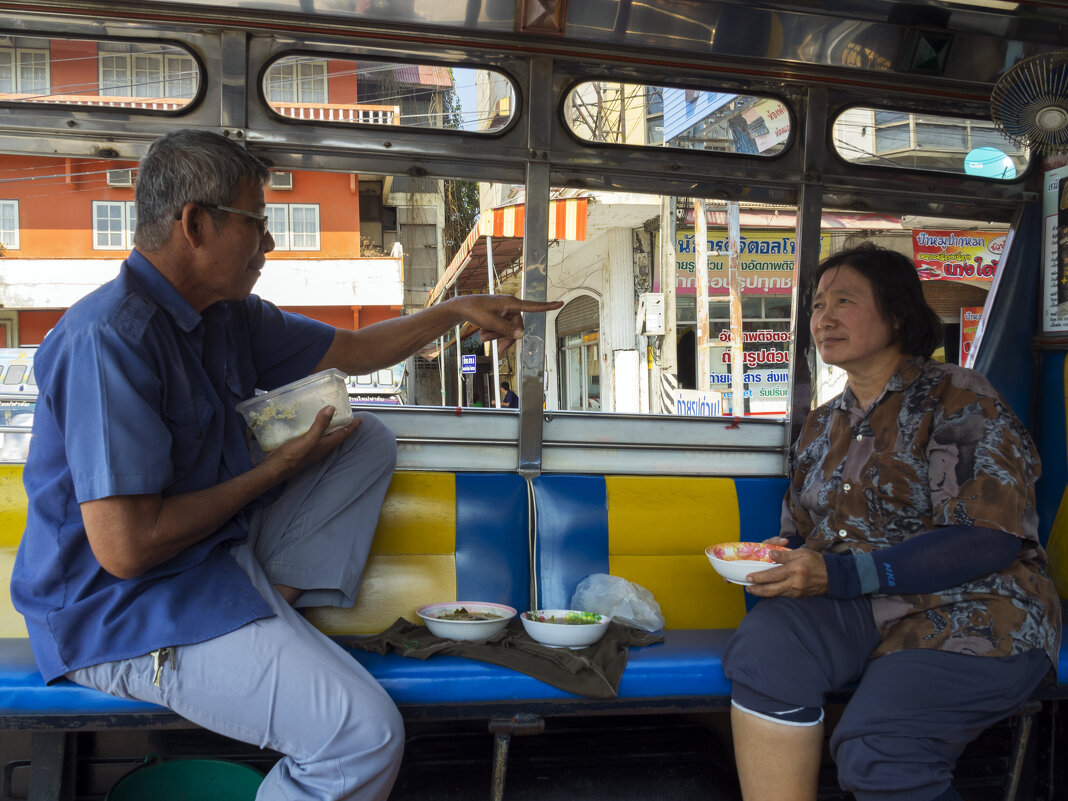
x=609 y=758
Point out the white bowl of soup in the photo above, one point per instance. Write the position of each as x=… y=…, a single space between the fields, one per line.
x=465 y=620
x=564 y=628
x=735 y=561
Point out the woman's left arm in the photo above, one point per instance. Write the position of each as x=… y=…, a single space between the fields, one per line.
x=928 y=562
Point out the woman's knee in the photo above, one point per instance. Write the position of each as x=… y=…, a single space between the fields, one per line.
x=876 y=766
x=766 y=656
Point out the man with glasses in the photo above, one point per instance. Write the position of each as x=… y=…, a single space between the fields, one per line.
x=159 y=563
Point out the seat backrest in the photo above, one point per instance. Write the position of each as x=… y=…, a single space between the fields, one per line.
x=651 y=530
x=12 y=524
x=440 y=537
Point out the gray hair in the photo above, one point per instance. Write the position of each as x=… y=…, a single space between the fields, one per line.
x=189 y=166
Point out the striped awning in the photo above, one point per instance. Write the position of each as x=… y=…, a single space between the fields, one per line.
x=468 y=272
x=567 y=220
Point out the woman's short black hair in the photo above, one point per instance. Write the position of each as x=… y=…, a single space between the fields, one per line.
x=896 y=283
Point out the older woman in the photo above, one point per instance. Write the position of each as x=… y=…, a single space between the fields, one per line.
x=916 y=571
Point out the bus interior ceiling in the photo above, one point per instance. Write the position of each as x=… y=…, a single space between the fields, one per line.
x=913 y=56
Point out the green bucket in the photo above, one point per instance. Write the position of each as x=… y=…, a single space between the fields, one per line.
x=187 y=780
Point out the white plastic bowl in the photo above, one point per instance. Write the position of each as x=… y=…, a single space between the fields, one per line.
x=465 y=629
x=277 y=416
x=725 y=561
x=565 y=628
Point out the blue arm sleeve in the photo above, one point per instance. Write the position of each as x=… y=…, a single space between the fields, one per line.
x=929 y=562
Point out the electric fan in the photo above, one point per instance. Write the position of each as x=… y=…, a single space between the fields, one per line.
x=1029 y=103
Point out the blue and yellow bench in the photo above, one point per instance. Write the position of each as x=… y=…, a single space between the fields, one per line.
x=470 y=536
x=478 y=536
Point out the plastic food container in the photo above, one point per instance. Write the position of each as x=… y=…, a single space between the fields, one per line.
x=277 y=416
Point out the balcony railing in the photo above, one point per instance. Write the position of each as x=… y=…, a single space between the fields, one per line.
x=100 y=101
x=339 y=112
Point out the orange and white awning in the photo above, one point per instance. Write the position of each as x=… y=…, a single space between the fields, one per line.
x=468 y=270
x=567 y=220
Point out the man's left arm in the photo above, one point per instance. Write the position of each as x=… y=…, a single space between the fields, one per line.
x=385 y=343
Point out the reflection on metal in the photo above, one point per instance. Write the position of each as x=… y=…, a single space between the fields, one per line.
x=474 y=440
x=532 y=367
x=316 y=88
x=662 y=445
x=695 y=118
x=142 y=76
x=881 y=137
x=535 y=273
x=542 y=16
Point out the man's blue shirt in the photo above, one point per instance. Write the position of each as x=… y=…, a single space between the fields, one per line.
x=137 y=395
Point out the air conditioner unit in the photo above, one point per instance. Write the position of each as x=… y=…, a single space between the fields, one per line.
x=120 y=177
x=281 y=180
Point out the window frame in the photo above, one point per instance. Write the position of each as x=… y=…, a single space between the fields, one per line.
x=285 y=240
x=17 y=84
x=298 y=80
x=128 y=221
x=975 y=133
x=14 y=243
x=691 y=94
x=159 y=76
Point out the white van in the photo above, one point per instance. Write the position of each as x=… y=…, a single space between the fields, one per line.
x=18 y=397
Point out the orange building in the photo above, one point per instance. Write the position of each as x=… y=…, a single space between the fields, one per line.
x=67 y=223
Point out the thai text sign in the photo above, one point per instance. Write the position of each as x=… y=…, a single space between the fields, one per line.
x=956 y=255
x=969 y=324
x=766 y=262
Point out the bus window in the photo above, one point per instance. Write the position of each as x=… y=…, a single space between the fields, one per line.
x=888 y=138
x=667 y=116
x=15 y=374
x=328 y=89
x=146 y=76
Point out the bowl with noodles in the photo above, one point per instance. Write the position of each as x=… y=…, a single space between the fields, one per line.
x=564 y=628
x=735 y=561
x=465 y=620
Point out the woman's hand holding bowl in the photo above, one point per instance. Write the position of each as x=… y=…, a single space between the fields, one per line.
x=801 y=573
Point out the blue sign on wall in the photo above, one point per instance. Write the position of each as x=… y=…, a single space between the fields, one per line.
x=467 y=362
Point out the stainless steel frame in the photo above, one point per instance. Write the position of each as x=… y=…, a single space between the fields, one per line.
x=818 y=63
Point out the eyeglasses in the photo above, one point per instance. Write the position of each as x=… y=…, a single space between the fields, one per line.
x=261 y=219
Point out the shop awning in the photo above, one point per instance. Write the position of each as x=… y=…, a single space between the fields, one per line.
x=468 y=271
x=787 y=218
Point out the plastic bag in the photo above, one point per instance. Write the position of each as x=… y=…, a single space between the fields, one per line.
x=623 y=600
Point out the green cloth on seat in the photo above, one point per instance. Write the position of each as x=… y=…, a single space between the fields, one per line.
x=594 y=671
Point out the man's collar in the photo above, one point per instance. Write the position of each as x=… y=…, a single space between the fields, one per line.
x=162 y=292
